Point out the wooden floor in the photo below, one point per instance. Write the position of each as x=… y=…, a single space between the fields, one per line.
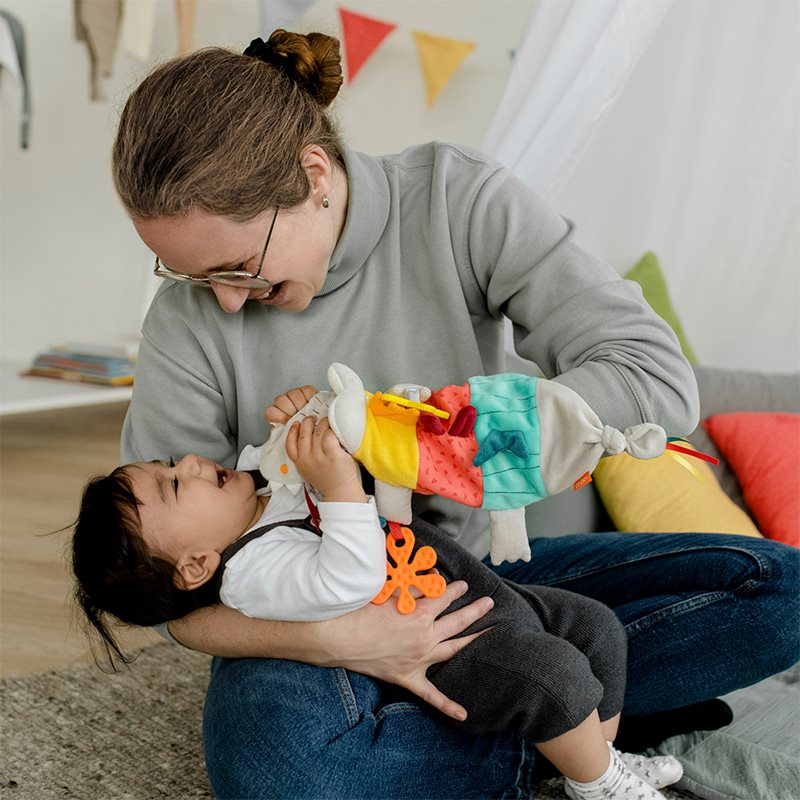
x=45 y=459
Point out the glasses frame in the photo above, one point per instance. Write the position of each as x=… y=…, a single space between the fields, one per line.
x=224 y=277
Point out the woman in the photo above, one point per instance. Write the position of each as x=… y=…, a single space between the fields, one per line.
x=287 y=251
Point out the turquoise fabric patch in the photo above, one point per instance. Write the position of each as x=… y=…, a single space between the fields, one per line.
x=507 y=427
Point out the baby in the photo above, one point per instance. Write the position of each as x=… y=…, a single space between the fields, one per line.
x=156 y=540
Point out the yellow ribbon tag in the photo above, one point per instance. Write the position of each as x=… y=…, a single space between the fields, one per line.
x=684 y=463
x=403 y=401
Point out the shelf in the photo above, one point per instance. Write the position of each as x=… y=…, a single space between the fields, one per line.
x=20 y=395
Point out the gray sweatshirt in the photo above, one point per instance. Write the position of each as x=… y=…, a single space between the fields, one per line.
x=439 y=246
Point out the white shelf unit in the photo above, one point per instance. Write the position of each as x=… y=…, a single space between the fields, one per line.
x=22 y=394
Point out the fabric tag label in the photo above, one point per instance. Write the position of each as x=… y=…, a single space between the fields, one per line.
x=582 y=481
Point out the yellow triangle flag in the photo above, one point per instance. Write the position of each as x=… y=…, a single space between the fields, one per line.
x=440 y=57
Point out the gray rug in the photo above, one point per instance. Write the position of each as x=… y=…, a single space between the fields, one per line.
x=136 y=735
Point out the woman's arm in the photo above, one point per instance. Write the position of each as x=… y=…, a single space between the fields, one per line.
x=572 y=315
x=375 y=640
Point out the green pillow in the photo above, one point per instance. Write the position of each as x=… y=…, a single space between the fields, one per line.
x=647 y=273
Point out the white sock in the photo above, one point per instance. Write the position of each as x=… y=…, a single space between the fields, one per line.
x=616 y=783
x=658 y=771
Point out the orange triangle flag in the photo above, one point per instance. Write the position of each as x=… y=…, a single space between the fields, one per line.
x=440 y=58
x=361 y=35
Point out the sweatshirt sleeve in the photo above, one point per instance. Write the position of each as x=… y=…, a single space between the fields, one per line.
x=177 y=406
x=573 y=315
x=296 y=575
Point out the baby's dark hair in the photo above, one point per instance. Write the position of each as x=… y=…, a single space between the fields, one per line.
x=116 y=574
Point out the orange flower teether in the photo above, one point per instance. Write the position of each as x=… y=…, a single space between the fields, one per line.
x=406 y=572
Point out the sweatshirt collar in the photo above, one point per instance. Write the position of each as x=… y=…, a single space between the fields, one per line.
x=367 y=216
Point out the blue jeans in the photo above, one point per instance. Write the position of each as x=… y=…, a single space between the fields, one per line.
x=704 y=614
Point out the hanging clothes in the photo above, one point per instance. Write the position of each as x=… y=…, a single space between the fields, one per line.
x=98 y=22
x=12 y=60
x=138 y=27
x=185 y=12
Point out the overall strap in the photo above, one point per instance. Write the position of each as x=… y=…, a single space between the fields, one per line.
x=232 y=549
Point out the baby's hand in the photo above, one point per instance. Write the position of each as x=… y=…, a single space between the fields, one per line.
x=323 y=462
x=286 y=405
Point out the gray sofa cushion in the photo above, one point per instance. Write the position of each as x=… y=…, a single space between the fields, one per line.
x=725 y=391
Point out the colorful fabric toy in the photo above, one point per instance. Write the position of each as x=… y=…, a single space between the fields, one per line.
x=496 y=442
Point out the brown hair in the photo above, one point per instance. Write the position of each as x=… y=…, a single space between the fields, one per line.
x=116 y=575
x=222 y=131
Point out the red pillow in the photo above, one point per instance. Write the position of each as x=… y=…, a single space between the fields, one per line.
x=763 y=450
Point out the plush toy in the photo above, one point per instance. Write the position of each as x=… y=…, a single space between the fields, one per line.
x=496 y=442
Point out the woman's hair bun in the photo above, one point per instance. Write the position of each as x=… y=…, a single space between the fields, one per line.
x=311 y=60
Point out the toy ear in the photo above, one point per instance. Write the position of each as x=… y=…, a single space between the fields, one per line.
x=347 y=413
x=276 y=466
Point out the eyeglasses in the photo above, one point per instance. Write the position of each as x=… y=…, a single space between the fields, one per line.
x=238 y=278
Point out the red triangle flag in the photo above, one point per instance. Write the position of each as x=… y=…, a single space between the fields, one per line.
x=361 y=35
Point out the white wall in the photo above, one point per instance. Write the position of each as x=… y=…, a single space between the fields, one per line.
x=71 y=266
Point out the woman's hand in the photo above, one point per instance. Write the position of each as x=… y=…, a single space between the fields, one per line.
x=286 y=405
x=375 y=640
x=398 y=648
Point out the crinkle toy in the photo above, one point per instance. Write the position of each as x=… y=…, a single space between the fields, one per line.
x=498 y=442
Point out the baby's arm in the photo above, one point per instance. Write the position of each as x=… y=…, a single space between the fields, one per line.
x=323 y=462
x=292 y=574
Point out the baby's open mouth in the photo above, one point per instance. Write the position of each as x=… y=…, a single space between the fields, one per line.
x=222 y=477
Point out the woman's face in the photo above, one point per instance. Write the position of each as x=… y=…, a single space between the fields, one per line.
x=296 y=261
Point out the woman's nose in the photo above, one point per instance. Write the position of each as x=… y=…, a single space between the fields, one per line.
x=230 y=298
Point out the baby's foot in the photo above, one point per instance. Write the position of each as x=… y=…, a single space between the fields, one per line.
x=616 y=783
x=658 y=771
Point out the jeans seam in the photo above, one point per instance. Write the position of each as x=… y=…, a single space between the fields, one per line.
x=683 y=607
x=523 y=786
x=347 y=694
x=763 y=565
x=402 y=707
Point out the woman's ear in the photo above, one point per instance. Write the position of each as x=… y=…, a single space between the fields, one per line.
x=314 y=160
x=195 y=569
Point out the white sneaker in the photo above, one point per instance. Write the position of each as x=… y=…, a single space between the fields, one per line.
x=658 y=771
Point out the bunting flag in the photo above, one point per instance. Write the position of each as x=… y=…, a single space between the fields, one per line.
x=440 y=57
x=361 y=36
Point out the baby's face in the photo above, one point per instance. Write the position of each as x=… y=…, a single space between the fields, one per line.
x=192 y=505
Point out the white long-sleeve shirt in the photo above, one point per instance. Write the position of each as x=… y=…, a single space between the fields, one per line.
x=294 y=574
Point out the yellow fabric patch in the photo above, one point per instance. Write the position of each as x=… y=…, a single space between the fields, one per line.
x=660 y=495
x=389 y=450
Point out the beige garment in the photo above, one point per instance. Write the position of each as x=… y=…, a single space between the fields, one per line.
x=138 y=26
x=185 y=16
x=97 y=22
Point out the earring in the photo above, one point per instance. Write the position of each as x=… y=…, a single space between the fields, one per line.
x=325 y=202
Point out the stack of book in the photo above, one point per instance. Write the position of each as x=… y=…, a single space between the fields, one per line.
x=110 y=363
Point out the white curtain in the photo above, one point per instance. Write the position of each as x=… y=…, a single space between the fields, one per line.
x=572 y=66
x=694 y=156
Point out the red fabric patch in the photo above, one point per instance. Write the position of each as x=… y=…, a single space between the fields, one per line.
x=763 y=450
x=445 y=462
